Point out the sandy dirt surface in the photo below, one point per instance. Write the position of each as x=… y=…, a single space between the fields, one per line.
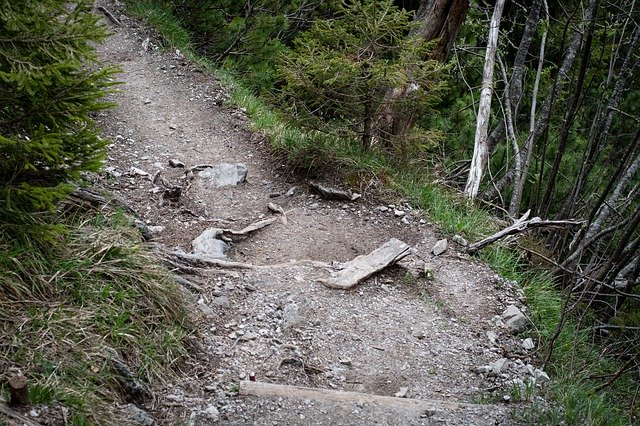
x=398 y=333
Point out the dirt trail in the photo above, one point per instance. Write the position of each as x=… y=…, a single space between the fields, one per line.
x=393 y=334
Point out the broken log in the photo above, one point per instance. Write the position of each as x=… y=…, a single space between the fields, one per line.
x=274 y=390
x=521 y=225
x=362 y=267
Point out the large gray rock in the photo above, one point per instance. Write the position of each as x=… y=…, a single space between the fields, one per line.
x=138 y=416
x=292 y=316
x=209 y=244
x=224 y=174
x=440 y=247
x=514 y=319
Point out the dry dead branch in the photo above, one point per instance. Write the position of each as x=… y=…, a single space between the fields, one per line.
x=521 y=225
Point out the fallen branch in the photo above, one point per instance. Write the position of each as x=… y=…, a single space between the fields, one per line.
x=521 y=225
x=251 y=228
x=191 y=286
x=203 y=261
x=199 y=261
x=109 y=15
x=271 y=390
x=362 y=267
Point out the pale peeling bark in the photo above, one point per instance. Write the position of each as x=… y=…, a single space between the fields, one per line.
x=481 y=148
x=542 y=120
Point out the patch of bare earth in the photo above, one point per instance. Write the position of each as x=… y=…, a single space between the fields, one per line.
x=395 y=334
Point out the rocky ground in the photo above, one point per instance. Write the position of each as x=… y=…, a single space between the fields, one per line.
x=433 y=329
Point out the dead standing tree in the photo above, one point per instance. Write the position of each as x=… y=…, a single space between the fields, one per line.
x=481 y=149
x=540 y=120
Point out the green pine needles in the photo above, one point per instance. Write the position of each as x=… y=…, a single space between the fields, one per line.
x=50 y=84
x=340 y=75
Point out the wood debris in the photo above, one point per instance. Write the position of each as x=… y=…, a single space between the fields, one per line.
x=521 y=225
x=270 y=389
x=362 y=267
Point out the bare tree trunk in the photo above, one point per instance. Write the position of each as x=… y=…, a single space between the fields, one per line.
x=515 y=85
x=568 y=121
x=481 y=149
x=367 y=134
x=602 y=125
x=527 y=151
x=605 y=210
x=562 y=78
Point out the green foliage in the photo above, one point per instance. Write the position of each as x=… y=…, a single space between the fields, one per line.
x=339 y=72
x=50 y=84
x=242 y=36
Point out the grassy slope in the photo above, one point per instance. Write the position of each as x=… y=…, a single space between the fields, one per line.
x=576 y=359
x=70 y=307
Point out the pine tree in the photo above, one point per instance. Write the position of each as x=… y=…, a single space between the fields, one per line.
x=50 y=85
x=339 y=71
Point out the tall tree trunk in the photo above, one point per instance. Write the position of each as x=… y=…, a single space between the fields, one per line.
x=516 y=83
x=602 y=125
x=481 y=149
x=367 y=134
x=514 y=94
x=441 y=20
x=542 y=122
x=568 y=121
x=526 y=153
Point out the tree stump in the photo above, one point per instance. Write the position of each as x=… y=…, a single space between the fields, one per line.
x=19 y=391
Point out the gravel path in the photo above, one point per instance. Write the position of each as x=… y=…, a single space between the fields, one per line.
x=398 y=333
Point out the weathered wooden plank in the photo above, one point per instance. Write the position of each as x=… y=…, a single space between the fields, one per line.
x=362 y=267
x=270 y=389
